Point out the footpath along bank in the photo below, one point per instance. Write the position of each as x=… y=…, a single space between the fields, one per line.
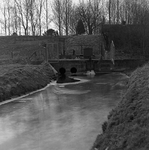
x=127 y=126
x=20 y=80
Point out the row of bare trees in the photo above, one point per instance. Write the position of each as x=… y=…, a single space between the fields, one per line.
x=95 y=12
x=66 y=15
x=130 y=11
x=32 y=17
x=24 y=16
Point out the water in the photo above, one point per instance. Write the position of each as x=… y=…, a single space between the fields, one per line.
x=62 y=117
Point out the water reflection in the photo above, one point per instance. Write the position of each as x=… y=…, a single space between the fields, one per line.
x=63 y=116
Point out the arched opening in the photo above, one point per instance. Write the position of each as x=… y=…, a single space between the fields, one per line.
x=62 y=71
x=73 y=70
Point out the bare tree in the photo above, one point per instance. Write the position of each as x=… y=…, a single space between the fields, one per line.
x=36 y=7
x=109 y=7
x=6 y=11
x=58 y=14
x=134 y=11
x=90 y=13
x=4 y=20
x=8 y=15
x=113 y=7
x=32 y=14
x=67 y=10
x=24 y=12
x=74 y=17
x=15 y=19
x=118 y=7
x=47 y=12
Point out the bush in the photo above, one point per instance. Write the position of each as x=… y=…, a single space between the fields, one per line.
x=51 y=32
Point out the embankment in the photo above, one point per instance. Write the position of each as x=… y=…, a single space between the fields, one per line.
x=18 y=81
x=127 y=127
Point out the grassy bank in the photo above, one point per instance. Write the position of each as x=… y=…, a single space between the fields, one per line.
x=17 y=80
x=127 y=127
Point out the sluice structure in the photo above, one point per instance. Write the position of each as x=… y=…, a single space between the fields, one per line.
x=79 y=54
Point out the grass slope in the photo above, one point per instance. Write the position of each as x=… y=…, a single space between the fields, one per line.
x=16 y=80
x=127 y=127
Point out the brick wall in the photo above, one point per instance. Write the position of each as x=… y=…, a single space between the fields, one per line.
x=80 y=42
x=26 y=45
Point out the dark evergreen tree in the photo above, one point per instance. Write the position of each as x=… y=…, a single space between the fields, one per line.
x=80 y=27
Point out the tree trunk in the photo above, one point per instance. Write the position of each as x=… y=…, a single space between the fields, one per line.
x=117 y=11
x=90 y=29
x=109 y=11
x=46 y=16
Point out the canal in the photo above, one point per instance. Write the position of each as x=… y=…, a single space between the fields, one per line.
x=61 y=117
